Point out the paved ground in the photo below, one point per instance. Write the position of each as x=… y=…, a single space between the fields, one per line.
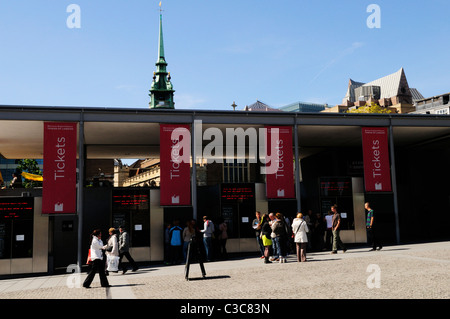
x=397 y=272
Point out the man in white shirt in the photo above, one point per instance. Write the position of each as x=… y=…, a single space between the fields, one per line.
x=208 y=230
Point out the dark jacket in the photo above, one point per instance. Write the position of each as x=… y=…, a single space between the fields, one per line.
x=124 y=242
x=266 y=230
x=279 y=228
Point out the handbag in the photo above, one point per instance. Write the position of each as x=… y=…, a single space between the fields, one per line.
x=112 y=262
x=89 y=261
x=109 y=248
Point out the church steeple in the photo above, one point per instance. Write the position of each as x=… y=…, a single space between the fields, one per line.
x=161 y=91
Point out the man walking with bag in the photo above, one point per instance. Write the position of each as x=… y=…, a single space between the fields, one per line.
x=124 y=250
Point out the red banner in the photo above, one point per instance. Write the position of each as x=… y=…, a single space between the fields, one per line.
x=280 y=180
x=175 y=174
x=60 y=165
x=377 y=173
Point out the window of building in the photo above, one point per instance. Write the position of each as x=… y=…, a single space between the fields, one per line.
x=131 y=208
x=236 y=172
x=16 y=227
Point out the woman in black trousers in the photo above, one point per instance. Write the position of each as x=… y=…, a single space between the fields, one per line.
x=96 y=258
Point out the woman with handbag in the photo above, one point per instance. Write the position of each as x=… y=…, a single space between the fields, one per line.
x=112 y=252
x=96 y=259
x=300 y=230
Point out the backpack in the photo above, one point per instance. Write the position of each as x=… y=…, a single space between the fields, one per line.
x=280 y=229
x=175 y=235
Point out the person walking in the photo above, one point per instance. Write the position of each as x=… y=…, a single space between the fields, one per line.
x=337 y=243
x=372 y=239
x=266 y=230
x=112 y=252
x=208 y=230
x=124 y=250
x=300 y=230
x=96 y=258
x=256 y=225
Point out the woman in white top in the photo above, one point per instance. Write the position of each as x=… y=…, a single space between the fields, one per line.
x=300 y=230
x=112 y=251
x=96 y=259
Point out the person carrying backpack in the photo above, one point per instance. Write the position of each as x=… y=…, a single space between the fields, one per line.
x=176 y=243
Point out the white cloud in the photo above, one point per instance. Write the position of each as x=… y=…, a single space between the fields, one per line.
x=125 y=87
x=348 y=51
x=189 y=101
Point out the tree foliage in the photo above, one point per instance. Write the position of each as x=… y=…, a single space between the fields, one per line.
x=29 y=166
x=372 y=108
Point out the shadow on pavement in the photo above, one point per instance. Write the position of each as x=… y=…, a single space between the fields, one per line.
x=207 y=278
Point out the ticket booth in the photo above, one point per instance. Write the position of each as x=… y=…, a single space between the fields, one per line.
x=348 y=194
x=23 y=236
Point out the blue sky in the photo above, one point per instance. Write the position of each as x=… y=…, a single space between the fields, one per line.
x=218 y=51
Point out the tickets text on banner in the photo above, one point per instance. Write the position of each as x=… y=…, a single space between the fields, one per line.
x=175 y=175
x=377 y=173
x=280 y=184
x=60 y=164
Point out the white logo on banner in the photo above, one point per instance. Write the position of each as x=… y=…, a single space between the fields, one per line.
x=280 y=192
x=176 y=199
x=59 y=207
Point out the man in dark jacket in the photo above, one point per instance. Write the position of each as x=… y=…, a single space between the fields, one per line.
x=124 y=250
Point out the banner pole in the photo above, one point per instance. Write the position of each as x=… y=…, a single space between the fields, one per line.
x=297 y=168
x=80 y=189
x=394 y=182
x=194 y=169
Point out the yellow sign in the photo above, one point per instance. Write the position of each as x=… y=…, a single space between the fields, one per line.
x=32 y=177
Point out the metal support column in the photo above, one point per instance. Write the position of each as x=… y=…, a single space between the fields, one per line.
x=194 y=146
x=394 y=182
x=81 y=155
x=297 y=169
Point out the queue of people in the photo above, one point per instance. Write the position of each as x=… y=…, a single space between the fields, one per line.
x=211 y=237
x=277 y=237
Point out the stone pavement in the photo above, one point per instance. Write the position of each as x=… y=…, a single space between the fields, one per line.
x=412 y=271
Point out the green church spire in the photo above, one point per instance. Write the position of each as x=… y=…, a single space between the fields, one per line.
x=161 y=91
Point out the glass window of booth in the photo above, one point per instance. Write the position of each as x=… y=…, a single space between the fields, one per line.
x=131 y=208
x=16 y=227
x=338 y=191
